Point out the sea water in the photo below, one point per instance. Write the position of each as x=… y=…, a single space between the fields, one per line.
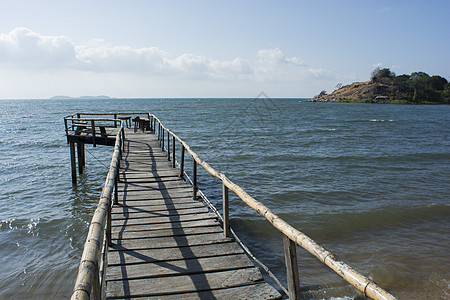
x=370 y=183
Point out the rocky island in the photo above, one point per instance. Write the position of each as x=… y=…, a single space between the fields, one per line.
x=385 y=87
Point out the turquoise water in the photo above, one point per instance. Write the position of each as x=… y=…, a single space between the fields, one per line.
x=370 y=183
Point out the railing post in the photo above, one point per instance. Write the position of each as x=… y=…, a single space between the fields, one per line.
x=181 y=163
x=194 y=179
x=162 y=144
x=159 y=133
x=173 y=152
x=115 y=122
x=93 y=132
x=226 y=211
x=168 y=145
x=67 y=130
x=123 y=141
x=290 y=255
x=96 y=285
x=108 y=224
x=116 y=187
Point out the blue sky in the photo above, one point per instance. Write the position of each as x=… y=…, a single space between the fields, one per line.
x=213 y=48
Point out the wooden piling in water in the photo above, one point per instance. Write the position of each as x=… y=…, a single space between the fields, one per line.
x=73 y=163
x=81 y=158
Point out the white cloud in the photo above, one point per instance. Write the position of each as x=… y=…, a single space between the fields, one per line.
x=273 y=65
x=24 y=47
x=102 y=57
x=51 y=57
x=275 y=57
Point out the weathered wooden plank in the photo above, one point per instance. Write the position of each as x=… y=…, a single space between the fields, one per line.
x=254 y=291
x=172 y=232
x=145 y=176
x=183 y=284
x=153 y=186
x=159 y=226
x=154 y=200
x=167 y=193
x=170 y=254
x=180 y=267
x=158 y=220
x=160 y=184
x=148 y=206
x=169 y=242
x=129 y=214
x=133 y=214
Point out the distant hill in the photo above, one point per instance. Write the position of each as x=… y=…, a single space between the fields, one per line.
x=356 y=92
x=82 y=97
x=386 y=87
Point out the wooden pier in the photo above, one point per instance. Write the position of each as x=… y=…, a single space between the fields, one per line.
x=165 y=244
x=151 y=236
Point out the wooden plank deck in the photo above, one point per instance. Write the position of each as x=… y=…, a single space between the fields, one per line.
x=165 y=245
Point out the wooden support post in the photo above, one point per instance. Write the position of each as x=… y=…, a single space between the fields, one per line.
x=93 y=133
x=162 y=144
x=80 y=152
x=108 y=224
x=194 y=179
x=159 y=133
x=96 y=285
x=84 y=156
x=115 y=122
x=67 y=130
x=168 y=146
x=290 y=255
x=73 y=162
x=226 y=211
x=116 y=188
x=123 y=141
x=173 y=152
x=182 y=163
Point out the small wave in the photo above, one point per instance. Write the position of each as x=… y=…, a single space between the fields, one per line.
x=30 y=225
x=380 y=120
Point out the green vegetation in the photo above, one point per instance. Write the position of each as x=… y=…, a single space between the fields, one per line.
x=417 y=88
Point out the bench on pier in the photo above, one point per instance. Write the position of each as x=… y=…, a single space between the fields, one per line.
x=127 y=121
x=141 y=123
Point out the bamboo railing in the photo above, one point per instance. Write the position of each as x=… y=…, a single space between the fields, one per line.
x=291 y=236
x=91 y=270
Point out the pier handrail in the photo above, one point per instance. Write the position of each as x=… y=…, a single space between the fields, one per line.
x=90 y=277
x=291 y=236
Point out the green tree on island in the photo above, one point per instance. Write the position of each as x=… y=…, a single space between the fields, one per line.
x=419 y=87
